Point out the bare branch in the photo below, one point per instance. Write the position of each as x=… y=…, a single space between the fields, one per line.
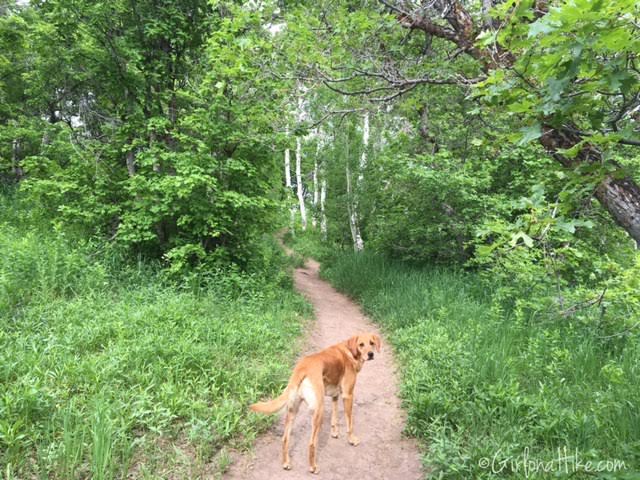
x=358 y=92
x=395 y=95
x=342 y=113
x=394 y=82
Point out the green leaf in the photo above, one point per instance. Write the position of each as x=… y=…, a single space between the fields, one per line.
x=566 y=226
x=486 y=38
x=541 y=26
x=528 y=241
x=529 y=133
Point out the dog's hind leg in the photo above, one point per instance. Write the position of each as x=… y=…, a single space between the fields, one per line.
x=334 y=417
x=292 y=410
x=316 y=423
x=312 y=391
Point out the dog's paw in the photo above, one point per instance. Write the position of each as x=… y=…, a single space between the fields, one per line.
x=335 y=433
x=314 y=469
x=353 y=440
x=286 y=466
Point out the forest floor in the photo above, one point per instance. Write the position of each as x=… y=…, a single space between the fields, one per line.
x=383 y=453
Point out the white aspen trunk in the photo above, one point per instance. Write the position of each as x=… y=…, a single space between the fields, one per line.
x=315 y=192
x=323 y=216
x=303 y=210
x=486 y=17
x=352 y=225
x=358 y=243
x=152 y=141
x=354 y=217
x=15 y=162
x=287 y=179
x=287 y=168
x=352 y=209
x=365 y=146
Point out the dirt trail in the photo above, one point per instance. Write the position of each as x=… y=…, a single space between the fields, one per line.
x=378 y=420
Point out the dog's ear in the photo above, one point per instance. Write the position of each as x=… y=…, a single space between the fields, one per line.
x=352 y=345
x=377 y=342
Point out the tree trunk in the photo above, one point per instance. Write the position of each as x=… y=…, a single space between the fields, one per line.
x=365 y=146
x=152 y=140
x=354 y=214
x=424 y=129
x=131 y=163
x=323 y=198
x=287 y=168
x=352 y=210
x=315 y=191
x=287 y=177
x=621 y=198
x=303 y=210
x=488 y=22
x=15 y=160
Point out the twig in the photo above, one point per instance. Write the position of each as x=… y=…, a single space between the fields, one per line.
x=587 y=303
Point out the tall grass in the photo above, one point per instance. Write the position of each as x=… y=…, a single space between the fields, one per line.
x=108 y=369
x=479 y=384
x=308 y=243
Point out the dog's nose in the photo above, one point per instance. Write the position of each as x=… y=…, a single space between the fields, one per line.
x=370 y=355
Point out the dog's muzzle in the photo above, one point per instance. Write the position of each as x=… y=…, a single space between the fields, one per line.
x=370 y=355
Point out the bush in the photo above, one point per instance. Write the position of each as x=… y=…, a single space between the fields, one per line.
x=429 y=209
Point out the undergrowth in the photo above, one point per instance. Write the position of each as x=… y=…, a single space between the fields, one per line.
x=109 y=368
x=493 y=396
x=308 y=244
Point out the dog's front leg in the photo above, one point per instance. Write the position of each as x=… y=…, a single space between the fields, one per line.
x=348 y=413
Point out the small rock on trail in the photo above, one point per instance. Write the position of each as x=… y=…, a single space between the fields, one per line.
x=383 y=453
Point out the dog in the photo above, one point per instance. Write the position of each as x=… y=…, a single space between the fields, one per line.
x=330 y=372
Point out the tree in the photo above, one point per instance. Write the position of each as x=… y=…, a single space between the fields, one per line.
x=147 y=123
x=572 y=66
x=566 y=69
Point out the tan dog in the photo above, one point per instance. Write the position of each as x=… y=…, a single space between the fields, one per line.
x=331 y=372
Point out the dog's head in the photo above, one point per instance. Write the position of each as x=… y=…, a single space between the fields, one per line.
x=362 y=346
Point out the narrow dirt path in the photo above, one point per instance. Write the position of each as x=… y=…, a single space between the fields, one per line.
x=383 y=453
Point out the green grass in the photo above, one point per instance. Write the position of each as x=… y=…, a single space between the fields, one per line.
x=108 y=369
x=479 y=384
x=307 y=244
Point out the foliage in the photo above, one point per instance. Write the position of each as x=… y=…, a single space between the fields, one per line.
x=429 y=207
x=451 y=179
x=309 y=244
x=149 y=125
x=575 y=64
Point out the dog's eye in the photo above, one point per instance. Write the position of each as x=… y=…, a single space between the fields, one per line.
x=362 y=344
x=371 y=343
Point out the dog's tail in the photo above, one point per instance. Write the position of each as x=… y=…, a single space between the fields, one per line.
x=277 y=404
